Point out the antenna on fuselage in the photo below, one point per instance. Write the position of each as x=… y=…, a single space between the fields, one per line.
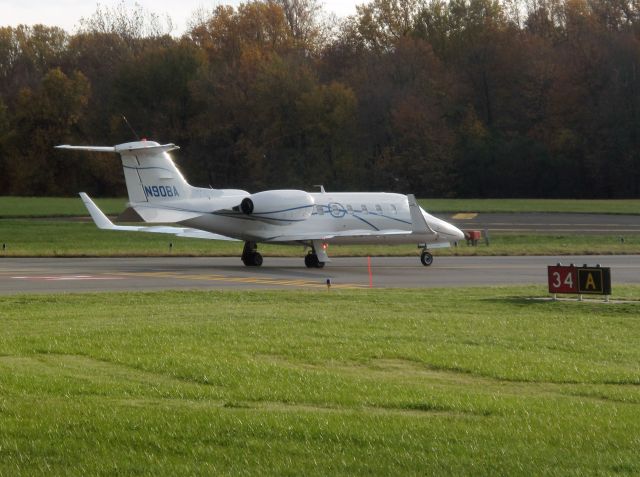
x=321 y=188
x=126 y=121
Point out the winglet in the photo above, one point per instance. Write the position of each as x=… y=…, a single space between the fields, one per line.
x=98 y=217
x=419 y=224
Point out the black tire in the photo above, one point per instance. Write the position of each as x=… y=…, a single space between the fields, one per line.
x=253 y=259
x=426 y=258
x=308 y=260
x=311 y=261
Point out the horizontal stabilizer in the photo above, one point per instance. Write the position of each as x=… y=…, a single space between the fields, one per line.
x=87 y=148
x=103 y=222
x=140 y=146
x=145 y=146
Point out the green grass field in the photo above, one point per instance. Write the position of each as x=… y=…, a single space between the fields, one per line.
x=57 y=237
x=631 y=206
x=29 y=207
x=47 y=238
x=14 y=207
x=318 y=383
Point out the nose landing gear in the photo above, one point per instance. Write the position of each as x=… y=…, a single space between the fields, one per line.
x=426 y=258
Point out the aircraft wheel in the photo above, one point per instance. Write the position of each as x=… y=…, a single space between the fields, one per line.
x=311 y=261
x=308 y=260
x=426 y=258
x=253 y=259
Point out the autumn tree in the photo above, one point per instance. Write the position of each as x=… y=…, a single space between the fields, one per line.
x=5 y=183
x=379 y=24
x=131 y=24
x=474 y=98
x=26 y=54
x=262 y=121
x=45 y=116
x=154 y=91
x=306 y=22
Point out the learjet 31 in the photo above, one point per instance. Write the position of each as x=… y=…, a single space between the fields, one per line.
x=159 y=194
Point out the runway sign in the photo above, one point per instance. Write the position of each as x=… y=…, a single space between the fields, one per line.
x=594 y=281
x=562 y=279
x=579 y=280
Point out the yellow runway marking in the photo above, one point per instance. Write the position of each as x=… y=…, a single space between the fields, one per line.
x=248 y=280
x=464 y=216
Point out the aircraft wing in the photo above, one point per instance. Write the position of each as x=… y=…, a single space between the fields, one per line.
x=103 y=222
x=329 y=236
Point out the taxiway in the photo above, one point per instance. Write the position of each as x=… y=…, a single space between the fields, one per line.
x=72 y=275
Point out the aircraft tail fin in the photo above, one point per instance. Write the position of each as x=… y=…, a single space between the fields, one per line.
x=150 y=173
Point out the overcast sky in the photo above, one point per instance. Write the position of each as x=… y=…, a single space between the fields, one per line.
x=67 y=13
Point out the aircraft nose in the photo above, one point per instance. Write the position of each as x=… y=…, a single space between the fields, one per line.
x=454 y=232
x=457 y=232
x=448 y=232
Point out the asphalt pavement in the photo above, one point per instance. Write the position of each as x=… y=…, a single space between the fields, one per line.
x=66 y=275
x=547 y=223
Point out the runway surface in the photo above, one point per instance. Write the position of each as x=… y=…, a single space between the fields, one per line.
x=63 y=275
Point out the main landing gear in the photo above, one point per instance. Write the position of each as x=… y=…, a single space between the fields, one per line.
x=426 y=258
x=250 y=255
x=311 y=260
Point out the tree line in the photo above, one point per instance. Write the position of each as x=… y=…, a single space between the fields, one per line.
x=458 y=98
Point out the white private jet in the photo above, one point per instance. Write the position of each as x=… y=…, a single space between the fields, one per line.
x=159 y=194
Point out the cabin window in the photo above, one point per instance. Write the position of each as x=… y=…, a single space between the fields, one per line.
x=349 y=209
x=334 y=209
x=320 y=209
x=364 y=209
x=394 y=209
x=379 y=208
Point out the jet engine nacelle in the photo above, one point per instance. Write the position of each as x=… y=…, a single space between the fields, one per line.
x=279 y=206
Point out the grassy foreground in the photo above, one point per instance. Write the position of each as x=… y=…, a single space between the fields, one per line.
x=15 y=207
x=47 y=238
x=307 y=383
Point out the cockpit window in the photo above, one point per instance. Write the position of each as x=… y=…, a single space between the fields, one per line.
x=394 y=209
